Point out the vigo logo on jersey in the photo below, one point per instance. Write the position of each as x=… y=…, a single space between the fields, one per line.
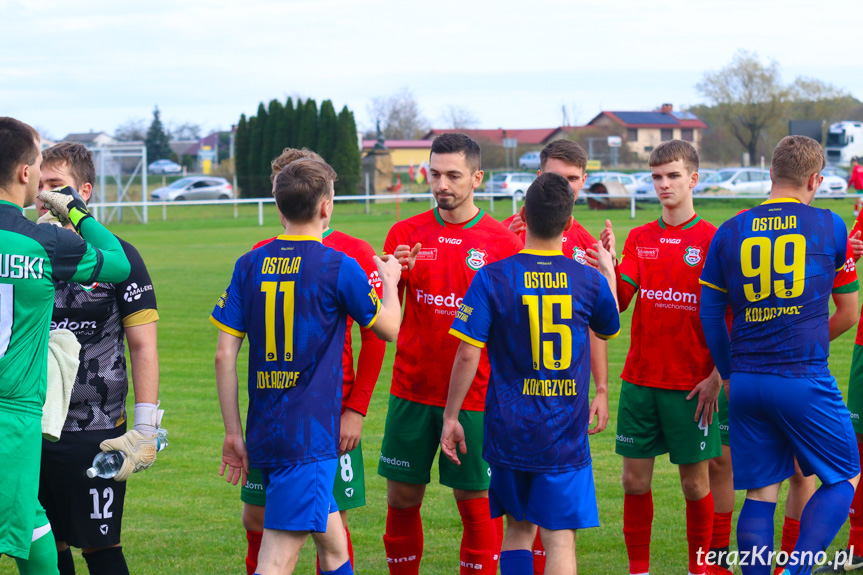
x=578 y=255
x=476 y=258
x=133 y=292
x=375 y=280
x=669 y=240
x=692 y=257
x=450 y=301
x=453 y=241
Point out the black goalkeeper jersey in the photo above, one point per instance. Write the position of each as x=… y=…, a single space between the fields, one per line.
x=97 y=314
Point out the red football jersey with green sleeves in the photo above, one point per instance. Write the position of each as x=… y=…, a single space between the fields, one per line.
x=451 y=255
x=667 y=348
x=576 y=240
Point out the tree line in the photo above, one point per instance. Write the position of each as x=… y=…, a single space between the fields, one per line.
x=262 y=137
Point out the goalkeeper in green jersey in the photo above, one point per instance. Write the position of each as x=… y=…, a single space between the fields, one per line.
x=31 y=258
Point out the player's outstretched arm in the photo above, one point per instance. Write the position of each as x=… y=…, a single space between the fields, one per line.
x=608 y=240
x=67 y=205
x=599 y=370
x=463 y=371
x=235 y=458
x=386 y=326
x=845 y=315
x=602 y=259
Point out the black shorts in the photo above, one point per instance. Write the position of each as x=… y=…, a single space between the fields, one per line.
x=84 y=512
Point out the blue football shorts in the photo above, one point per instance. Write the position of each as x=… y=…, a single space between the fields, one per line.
x=773 y=418
x=300 y=497
x=556 y=501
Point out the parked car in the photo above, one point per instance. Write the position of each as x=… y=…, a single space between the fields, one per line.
x=195 y=188
x=737 y=180
x=509 y=183
x=529 y=161
x=164 y=167
x=835 y=171
x=832 y=184
x=626 y=180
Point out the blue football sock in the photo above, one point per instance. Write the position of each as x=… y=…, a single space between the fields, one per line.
x=755 y=536
x=516 y=562
x=343 y=570
x=822 y=519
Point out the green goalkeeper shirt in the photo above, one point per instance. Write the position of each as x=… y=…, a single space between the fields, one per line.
x=32 y=257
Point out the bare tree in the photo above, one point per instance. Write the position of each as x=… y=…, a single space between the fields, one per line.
x=748 y=96
x=186 y=131
x=812 y=99
x=399 y=115
x=458 y=118
x=132 y=129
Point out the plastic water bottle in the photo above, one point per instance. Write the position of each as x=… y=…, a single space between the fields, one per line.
x=107 y=464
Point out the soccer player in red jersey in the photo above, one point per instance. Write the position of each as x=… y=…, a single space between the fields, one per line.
x=441 y=251
x=568 y=159
x=349 y=488
x=670 y=385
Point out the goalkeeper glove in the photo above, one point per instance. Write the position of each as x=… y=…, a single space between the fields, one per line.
x=140 y=444
x=66 y=204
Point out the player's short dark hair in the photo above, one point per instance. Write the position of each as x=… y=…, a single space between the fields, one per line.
x=300 y=186
x=564 y=150
x=795 y=158
x=455 y=143
x=17 y=146
x=288 y=155
x=674 y=150
x=77 y=157
x=548 y=205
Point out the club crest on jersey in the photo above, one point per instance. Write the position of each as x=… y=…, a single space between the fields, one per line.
x=578 y=255
x=476 y=258
x=692 y=257
x=850 y=266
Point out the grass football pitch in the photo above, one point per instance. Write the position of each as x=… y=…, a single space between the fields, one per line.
x=181 y=517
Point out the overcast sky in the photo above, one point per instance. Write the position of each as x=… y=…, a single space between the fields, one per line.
x=76 y=66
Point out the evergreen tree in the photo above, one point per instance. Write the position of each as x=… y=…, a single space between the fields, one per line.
x=308 y=135
x=346 y=155
x=241 y=154
x=328 y=128
x=262 y=162
x=271 y=146
x=295 y=127
x=157 y=140
x=286 y=131
x=255 y=138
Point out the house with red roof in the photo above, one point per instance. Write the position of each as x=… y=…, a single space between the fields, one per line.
x=646 y=130
x=529 y=137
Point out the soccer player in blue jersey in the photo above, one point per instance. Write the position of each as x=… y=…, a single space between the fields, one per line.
x=775 y=265
x=537 y=408
x=292 y=297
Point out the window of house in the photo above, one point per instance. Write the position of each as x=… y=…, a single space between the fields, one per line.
x=632 y=134
x=648 y=149
x=687 y=135
x=666 y=134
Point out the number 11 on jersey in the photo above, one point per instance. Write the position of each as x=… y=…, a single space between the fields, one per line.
x=271 y=290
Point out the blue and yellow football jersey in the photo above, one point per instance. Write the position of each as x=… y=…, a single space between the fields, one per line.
x=292 y=297
x=777 y=263
x=533 y=310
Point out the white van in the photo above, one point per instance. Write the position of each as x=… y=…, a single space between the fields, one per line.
x=844 y=141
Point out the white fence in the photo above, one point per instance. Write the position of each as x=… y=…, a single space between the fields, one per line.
x=146 y=206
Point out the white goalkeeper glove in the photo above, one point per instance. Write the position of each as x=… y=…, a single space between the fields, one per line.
x=140 y=444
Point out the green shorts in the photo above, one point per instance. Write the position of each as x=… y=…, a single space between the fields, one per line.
x=653 y=421
x=21 y=449
x=855 y=389
x=412 y=437
x=722 y=416
x=349 y=488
